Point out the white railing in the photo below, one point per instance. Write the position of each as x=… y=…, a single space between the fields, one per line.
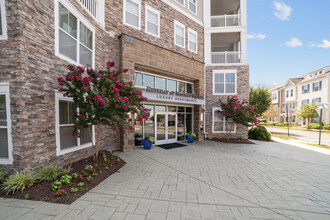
x=226 y=57
x=225 y=21
x=91 y=6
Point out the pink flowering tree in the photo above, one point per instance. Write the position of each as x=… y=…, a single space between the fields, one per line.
x=240 y=112
x=101 y=98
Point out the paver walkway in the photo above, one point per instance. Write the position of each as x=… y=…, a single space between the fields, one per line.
x=206 y=180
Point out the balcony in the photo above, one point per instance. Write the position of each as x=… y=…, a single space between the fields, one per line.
x=225 y=21
x=226 y=57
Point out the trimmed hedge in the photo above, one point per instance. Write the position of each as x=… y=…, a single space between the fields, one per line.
x=259 y=133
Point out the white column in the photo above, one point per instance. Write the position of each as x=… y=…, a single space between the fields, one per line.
x=244 y=46
x=207 y=13
x=207 y=47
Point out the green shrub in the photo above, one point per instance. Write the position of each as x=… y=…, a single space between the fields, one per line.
x=66 y=179
x=271 y=123
x=56 y=185
x=326 y=127
x=259 y=133
x=18 y=181
x=48 y=173
x=314 y=126
x=2 y=175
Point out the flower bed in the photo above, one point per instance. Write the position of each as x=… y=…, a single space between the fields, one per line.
x=83 y=176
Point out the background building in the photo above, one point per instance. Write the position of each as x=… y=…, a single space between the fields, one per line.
x=161 y=43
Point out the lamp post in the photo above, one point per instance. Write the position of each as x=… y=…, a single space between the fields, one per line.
x=319 y=111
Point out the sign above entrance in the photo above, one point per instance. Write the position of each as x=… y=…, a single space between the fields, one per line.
x=174 y=97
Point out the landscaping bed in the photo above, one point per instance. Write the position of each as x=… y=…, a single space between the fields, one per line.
x=96 y=172
x=232 y=141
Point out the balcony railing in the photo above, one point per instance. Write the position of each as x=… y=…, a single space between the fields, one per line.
x=225 y=21
x=226 y=57
x=91 y=6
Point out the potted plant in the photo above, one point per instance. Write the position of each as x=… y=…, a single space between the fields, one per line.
x=191 y=137
x=147 y=142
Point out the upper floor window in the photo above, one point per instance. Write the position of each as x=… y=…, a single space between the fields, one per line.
x=275 y=96
x=287 y=93
x=179 y=34
x=158 y=82
x=3 y=23
x=305 y=102
x=74 y=38
x=305 y=89
x=152 y=21
x=291 y=92
x=181 y=2
x=192 y=40
x=193 y=6
x=317 y=86
x=275 y=107
x=224 y=82
x=132 y=12
x=316 y=101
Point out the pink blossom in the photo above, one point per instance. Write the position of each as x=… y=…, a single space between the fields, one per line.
x=74 y=134
x=115 y=90
x=110 y=64
x=69 y=77
x=78 y=78
x=125 y=70
x=99 y=100
x=81 y=116
x=140 y=119
x=125 y=108
x=81 y=69
x=60 y=79
x=98 y=75
x=85 y=88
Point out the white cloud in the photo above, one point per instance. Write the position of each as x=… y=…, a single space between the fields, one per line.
x=325 y=44
x=256 y=36
x=294 y=42
x=282 y=11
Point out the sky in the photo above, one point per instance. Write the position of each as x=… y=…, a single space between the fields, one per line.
x=287 y=39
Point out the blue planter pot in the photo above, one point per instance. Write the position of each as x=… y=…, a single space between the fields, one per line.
x=190 y=139
x=147 y=144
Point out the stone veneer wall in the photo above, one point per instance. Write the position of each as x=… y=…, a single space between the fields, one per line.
x=213 y=100
x=146 y=54
x=29 y=64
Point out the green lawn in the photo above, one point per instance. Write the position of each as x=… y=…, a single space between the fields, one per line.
x=321 y=146
x=284 y=136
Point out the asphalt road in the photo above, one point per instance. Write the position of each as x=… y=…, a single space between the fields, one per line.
x=304 y=136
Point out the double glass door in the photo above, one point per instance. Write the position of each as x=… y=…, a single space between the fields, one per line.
x=166 y=128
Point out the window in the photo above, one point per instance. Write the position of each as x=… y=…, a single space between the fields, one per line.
x=275 y=107
x=65 y=117
x=224 y=82
x=6 y=156
x=305 y=102
x=193 y=6
x=275 y=96
x=74 y=39
x=132 y=12
x=152 y=21
x=192 y=40
x=181 y=2
x=291 y=93
x=179 y=34
x=3 y=23
x=316 y=101
x=274 y=118
x=317 y=86
x=287 y=93
x=158 y=82
x=305 y=89
x=220 y=125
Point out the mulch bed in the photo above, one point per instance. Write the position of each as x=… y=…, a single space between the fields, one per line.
x=232 y=141
x=42 y=191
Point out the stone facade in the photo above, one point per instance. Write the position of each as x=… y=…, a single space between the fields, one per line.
x=213 y=100
x=29 y=64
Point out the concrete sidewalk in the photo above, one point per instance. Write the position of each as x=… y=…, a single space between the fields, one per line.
x=205 y=180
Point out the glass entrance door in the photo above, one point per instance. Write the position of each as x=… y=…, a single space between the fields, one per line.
x=166 y=128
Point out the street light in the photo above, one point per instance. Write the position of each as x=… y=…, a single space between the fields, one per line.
x=319 y=111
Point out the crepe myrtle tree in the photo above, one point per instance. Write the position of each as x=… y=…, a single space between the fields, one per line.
x=101 y=98
x=240 y=112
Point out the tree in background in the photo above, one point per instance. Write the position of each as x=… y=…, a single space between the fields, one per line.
x=101 y=98
x=261 y=99
x=308 y=112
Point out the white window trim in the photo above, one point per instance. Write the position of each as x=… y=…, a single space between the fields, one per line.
x=4 y=90
x=225 y=71
x=214 y=109
x=184 y=3
x=195 y=13
x=3 y=21
x=81 y=19
x=59 y=96
x=124 y=14
x=149 y=8
x=176 y=23
x=194 y=32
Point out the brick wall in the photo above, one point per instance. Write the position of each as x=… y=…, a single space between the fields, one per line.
x=214 y=100
x=29 y=63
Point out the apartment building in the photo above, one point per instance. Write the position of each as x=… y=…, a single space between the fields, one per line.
x=296 y=92
x=226 y=67
x=161 y=43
